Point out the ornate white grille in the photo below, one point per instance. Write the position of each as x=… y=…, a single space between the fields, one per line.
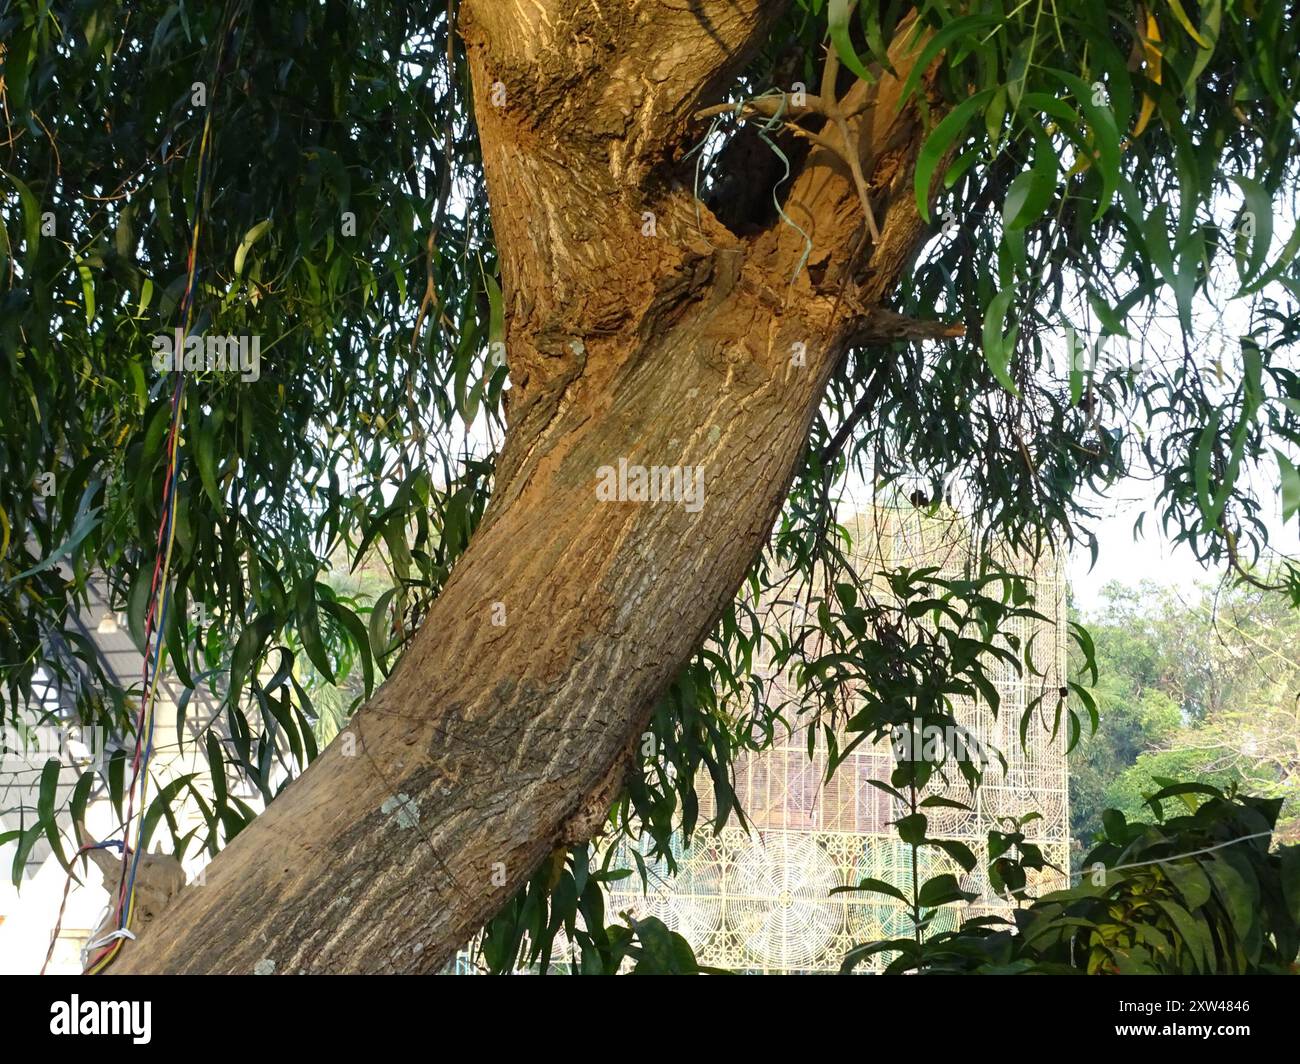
x=762 y=901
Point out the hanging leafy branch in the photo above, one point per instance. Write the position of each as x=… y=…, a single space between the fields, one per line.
x=1106 y=175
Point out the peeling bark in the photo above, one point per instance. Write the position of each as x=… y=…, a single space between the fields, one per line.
x=490 y=746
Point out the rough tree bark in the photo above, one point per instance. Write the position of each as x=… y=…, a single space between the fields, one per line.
x=491 y=745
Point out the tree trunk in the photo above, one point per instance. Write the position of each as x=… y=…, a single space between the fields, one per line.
x=504 y=730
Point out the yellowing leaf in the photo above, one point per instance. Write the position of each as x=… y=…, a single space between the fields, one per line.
x=245 y=245
x=1155 y=68
x=1181 y=15
x=1153 y=55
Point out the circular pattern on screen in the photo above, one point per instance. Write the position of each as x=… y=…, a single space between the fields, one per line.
x=780 y=902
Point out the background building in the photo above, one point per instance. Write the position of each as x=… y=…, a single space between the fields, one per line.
x=762 y=902
x=30 y=911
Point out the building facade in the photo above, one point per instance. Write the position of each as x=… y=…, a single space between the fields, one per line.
x=761 y=901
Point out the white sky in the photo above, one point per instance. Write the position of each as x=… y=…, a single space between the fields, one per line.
x=1151 y=556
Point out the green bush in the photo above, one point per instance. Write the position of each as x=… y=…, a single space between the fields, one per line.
x=1197 y=893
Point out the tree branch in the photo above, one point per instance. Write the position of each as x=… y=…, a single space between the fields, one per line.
x=886 y=326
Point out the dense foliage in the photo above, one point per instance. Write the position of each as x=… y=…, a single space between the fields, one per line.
x=1192 y=894
x=1117 y=168
x=1200 y=685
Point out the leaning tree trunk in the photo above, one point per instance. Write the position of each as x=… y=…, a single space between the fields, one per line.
x=494 y=743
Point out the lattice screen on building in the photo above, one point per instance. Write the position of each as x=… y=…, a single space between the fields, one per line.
x=762 y=901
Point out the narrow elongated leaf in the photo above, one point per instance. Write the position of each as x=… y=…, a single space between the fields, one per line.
x=944 y=136
x=45 y=802
x=998 y=346
x=838 y=15
x=1254 y=229
x=1290 y=486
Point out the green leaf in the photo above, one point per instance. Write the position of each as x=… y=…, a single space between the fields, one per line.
x=381 y=627
x=1030 y=193
x=964 y=29
x=77 y=803
x=137 y=604
x=937 y=801
x=205 y=455
x=994 y=116
x=911 y=828
x=1284 y=262
x=17 y=67
x=309 y=629
x=662 y=952
x=496 y=311
x=31 y=221
x=1211 y=23
x=1025 y=200
x=86 y=523
x=942 y=889
x=247 y=648
x=117 y=781
x=1105 y=139
x=1289 y=864
x=217 y=768
x=837 y=16
x=1189 y=880
x=177 y=636
x=45 y=800
x=355 y=628
x=1106 y=314
x=997 y=346
x=944 y=136
x=284 y=670
x=1112 y=820
x=875 y=886
x=182 y=706
x=1239 y=895
x=1193 y=934
x=1076 y=383
x=161 y=804
x=1201 y=468
x=1258 y=207
x=26 y=841
x=87 y=292
x=959 y=852
x=1290 y=486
